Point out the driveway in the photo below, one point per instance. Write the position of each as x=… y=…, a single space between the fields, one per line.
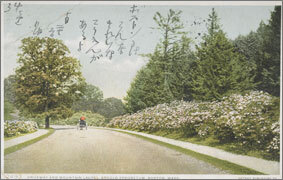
x=99 y=151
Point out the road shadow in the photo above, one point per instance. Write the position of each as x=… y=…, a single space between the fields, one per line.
x=63 y=128
x=58 y=127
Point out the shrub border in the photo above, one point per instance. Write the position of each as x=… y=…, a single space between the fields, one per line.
x=29 y=142
x=219 y=163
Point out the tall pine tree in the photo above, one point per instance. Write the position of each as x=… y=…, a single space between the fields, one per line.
x=165 y=76
x=171 y=28
x=219 y=70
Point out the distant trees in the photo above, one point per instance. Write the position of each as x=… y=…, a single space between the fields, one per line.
x=8 y=110
x=9 y=97
x=111 y=107
x=47 y=81
x=9 y=89
x=90 y=100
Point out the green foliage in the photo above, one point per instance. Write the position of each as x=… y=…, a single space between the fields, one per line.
x=8 y=109
x=9 y=97
x=90 y=101
x=111 y=107
x=140 y=96
x=165 y=76
x=248 y=46
x=262 y=51
x=47 y=80
x=219 y=70
x=9 y=89
x=271 y=48
x=223 y=132
x=92 y=119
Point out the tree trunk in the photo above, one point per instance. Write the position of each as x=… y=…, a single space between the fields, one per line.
x=47 y=122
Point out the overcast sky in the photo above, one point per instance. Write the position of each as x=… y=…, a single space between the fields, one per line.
x=136 y=36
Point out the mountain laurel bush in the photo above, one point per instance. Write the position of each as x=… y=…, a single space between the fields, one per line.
x=251 y=120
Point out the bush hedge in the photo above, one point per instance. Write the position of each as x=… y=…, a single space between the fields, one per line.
x=13 y=128
x=251 y=120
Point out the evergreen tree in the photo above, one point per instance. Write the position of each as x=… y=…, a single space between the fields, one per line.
x=171 y=29
x=262 y=51
x=165 y=76
x=180 y=69
x=271 y=59
x=138 y=95
x=249 y=46
x=219 y=70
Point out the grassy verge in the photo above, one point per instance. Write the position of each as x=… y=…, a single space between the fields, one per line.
x=24 y=144
x=221 y=164
x=9 y=138
x=212 y=142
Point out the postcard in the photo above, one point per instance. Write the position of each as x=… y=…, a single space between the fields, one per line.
x=141 y=89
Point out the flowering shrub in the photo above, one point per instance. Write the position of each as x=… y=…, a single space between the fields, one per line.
x=274 y=145
x=12 y=128
x=252 y=120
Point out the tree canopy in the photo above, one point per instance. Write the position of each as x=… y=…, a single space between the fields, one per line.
x=90 y=100
x=48 y=80
x=111 y=107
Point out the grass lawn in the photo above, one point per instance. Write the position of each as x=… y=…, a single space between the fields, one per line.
x=222 y=164
x=210 y=141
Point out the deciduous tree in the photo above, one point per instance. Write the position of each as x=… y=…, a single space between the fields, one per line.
x=90 y=100
x=48 y=79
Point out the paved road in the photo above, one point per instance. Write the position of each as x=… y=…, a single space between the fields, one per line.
x=261 y=165
x=100 y=151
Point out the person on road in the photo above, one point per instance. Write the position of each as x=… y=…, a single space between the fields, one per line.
x=82 y=121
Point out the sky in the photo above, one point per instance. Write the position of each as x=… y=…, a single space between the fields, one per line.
x=93 y=32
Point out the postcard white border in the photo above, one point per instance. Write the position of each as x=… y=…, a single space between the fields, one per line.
x=135 y=176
